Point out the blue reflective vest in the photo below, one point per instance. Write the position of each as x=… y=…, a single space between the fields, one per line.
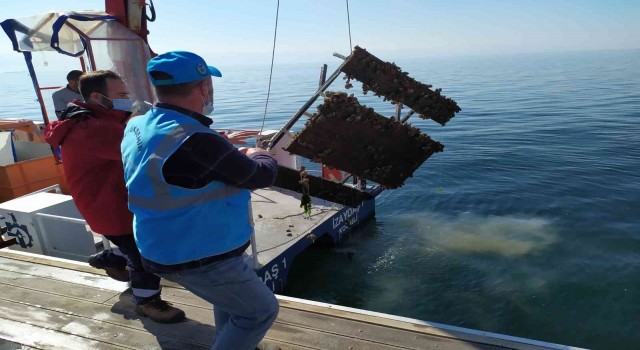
x=173 y=224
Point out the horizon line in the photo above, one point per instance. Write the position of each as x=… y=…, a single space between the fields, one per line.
x=435 y=56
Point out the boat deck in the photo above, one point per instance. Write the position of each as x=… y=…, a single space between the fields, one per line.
x=279 y=221
x=282 y=230
x=50 y=303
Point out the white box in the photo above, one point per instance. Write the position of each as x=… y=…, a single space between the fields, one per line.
x=26 y=220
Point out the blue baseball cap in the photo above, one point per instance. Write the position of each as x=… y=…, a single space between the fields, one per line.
x=182 y=66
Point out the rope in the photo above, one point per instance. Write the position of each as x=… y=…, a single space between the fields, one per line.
x=349 y=23
x=273 y=54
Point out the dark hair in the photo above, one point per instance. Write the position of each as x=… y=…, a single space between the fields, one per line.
x=180 y=90
x=74 y=75
x=95 y=82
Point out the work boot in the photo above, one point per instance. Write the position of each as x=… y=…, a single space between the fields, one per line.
x=160 y=311
x=117 y=273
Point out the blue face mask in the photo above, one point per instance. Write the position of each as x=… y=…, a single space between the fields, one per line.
x=120 y=104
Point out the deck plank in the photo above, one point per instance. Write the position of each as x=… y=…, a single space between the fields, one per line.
x=62 y=263
x=87 y=328
x=42 y=338
x=56 y=287
x=52 y=272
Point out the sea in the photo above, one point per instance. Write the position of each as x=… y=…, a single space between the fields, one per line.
x=528 y=224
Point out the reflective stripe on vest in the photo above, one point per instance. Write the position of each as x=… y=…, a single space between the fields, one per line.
x=159 y=185
x=154 y=204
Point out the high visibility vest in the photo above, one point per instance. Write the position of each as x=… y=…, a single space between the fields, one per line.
x=173 y=224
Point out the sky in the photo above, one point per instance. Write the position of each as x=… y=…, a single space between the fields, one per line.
x=241 y=31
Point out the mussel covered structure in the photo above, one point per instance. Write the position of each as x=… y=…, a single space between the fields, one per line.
x=389 y=81
x=349 y=136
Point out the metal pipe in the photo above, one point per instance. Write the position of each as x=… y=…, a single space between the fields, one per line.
x=323 y=75
x=304 y=108
x=50 y=88
x=92 y=60
x=36 y=87
x=342 y=57
x=84 y=67
x=406 y=117
x=398 y=110
x=43 y=108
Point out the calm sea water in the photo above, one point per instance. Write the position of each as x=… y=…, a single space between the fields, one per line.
x=528 y=224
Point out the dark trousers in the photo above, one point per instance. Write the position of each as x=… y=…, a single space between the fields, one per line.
x=145 y=285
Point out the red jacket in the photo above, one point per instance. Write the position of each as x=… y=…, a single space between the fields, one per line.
x=90 y=137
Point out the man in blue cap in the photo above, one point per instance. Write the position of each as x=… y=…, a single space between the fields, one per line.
x=189 y=193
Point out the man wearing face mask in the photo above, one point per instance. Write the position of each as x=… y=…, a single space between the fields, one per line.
x=89 y=134
x=189 y=193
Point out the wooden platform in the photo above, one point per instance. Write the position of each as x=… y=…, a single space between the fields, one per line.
x=49 y=303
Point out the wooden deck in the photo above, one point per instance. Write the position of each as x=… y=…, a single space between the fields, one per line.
x=49 y=303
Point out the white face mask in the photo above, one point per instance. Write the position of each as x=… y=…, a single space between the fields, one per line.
x=207 y=107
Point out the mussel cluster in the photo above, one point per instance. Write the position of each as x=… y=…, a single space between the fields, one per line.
x=352 y=137
x=387 y=80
